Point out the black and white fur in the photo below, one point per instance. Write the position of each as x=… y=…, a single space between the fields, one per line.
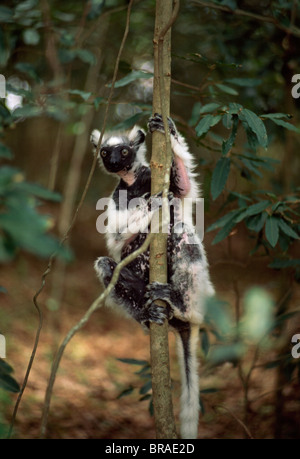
x=188 y=278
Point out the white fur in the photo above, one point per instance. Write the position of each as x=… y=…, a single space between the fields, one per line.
x=202 y=287
x=118 y=138
x=189 y=401
x=123 y=225
x=181 y=149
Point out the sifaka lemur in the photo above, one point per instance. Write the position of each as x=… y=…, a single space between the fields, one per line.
x=123 y=155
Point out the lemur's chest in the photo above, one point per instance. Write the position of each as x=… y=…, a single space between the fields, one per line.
x=140 y=186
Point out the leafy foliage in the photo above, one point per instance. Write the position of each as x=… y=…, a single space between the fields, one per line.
x=7 y=382
x=145 y=391
x=22 y=227
x=230 y=92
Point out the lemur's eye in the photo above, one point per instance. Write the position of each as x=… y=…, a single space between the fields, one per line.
x=125 y=152
x=103 y=153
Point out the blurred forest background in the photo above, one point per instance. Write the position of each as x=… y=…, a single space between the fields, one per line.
x=232 y=67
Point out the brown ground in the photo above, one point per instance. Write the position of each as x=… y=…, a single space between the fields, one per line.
x=84 y=403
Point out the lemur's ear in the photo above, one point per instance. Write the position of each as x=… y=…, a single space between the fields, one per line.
x=94 y=138
x=137 y=136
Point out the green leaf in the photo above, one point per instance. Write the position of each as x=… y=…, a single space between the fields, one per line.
x=27 y=229
x=86 y=56
x=26 y=5
x=38 y=190
x=63 y=16
x=224 y=232
x=27 y=111
x=84 y=95
x=224 y=220
x=205 y=344
x=6 y=14
x=256 y=125
x=234 y=108
x=7 y=382
x=28 y=69
x=146 y=387
x=5 y=367
x=286 y=125
x=228 y=144
x=284 y=263
x=129 y=122
x=244 y=82
x=98 y=101
x=126 y=392
x=227 y=89
x=8 y=175
x=66 y=55
x=272 y=230
x=220 y=176
x=206 y=122
x=258 y=316
x=7 y=250
x=208 y=108
x=227 y=120
x=286 y=229
x=252 y=210
x=252 y=166
x=31 y=37
x=257 y=222
x=218 y=315
x=226 y=353
x=133 y=76
x=209 y=390
x=276 y=115
x=134 y=361
x=5 y=152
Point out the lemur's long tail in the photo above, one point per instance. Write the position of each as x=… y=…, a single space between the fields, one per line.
x=187 y=341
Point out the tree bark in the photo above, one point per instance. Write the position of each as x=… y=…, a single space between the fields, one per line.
x=160 y=173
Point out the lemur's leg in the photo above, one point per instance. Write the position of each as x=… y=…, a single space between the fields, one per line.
x=189 y=284
x=128 y=293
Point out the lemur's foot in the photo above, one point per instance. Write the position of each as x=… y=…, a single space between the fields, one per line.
x=158 y=291
x=157 y=314
x=156 y=124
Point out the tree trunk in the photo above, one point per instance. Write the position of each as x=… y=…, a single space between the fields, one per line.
x=160 y=166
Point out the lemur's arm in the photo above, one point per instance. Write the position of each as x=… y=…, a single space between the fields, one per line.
x=182 y=180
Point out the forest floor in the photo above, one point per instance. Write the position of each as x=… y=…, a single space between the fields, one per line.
x=85 y=401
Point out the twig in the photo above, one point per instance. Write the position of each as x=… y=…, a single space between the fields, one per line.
x=66 y=235
x=94 y=306
x=291 y=30
x=37 y=337
x=237 y=419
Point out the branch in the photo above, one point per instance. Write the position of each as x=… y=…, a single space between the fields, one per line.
x=160 y=177
x=94 y=307
x=66 y=235
x=247 y=431
x=291 y=30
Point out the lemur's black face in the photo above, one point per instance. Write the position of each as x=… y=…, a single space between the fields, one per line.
x=117 y=158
